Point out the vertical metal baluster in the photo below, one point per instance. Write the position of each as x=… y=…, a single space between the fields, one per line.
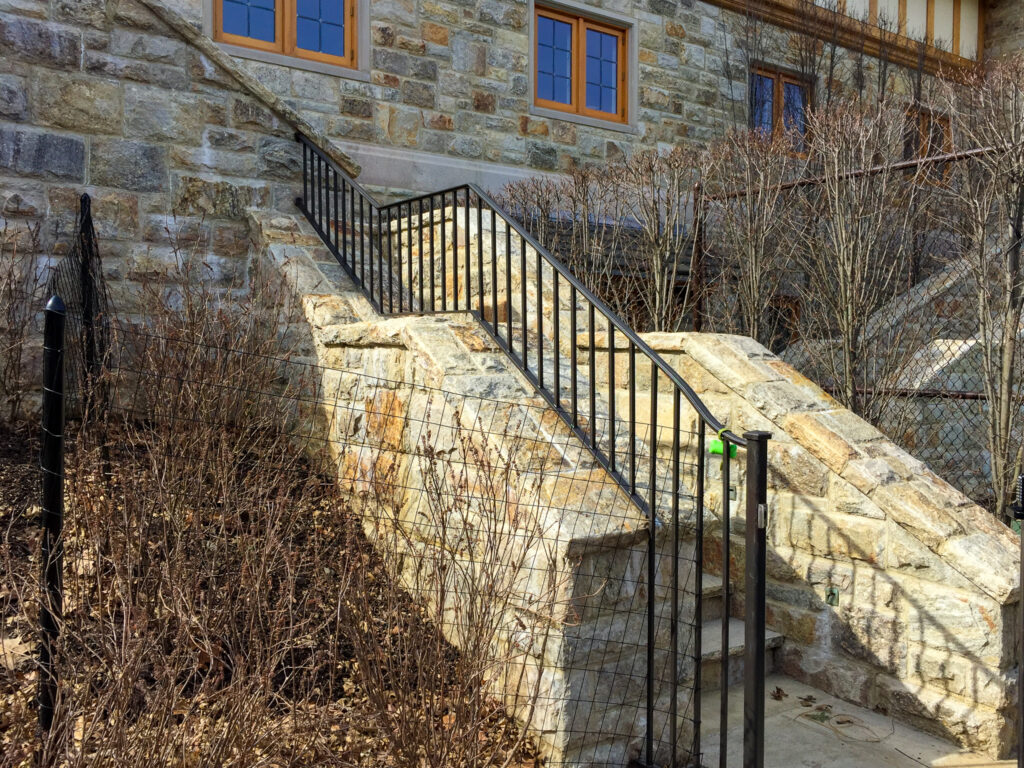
x=362 y=235
x=652 y=546
x=540 y=321
x=384 y=261
x=494 y=271
x=698 y=645
x=396 y=241
x=455 y=250
x=337 y=244
x=350 y=252
x=480 y=254
x=444 y=254
x=305 y=175
x=467 y=285
x=522 y=297
x=433 y=289
x=362 y=215
x=726 y=595
x=632 y=418
x=422 y=278
x=592 y=359
x=674 y=628
x=611 y=394
x=557 y=319
x=508 y=286
x=573 y=371
x=320 y=192
x=408 y=210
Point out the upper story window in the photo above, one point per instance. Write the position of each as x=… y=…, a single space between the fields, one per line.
x=580 y=65
x=779 y=103
x=952 y=26
x=320 y=30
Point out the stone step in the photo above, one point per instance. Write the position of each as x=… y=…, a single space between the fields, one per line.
x=713 y=603
x=711 y=653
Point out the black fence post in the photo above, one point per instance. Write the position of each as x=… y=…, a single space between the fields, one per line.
x=52 y=465
x=756 y=562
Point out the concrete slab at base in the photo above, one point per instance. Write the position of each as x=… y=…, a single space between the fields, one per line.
x=829 y=733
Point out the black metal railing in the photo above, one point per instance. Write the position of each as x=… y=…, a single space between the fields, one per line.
x=411 y=257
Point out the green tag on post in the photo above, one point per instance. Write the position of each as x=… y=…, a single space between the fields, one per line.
x=715 y=447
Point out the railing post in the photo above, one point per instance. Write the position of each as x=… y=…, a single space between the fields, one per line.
x=756 y=561
x=51 y=460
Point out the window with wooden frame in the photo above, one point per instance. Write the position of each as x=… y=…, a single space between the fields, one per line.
x=779 y=104
x=927 y=135
x=580 y=65
x=318 y=30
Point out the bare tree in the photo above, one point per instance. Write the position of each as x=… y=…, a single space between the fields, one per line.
x=856 y=237
x=986 y=195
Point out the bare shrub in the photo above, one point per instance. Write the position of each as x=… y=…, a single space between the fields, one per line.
x=622 y=228
x=22 y=283
x=467 y=551
x=857 y=235
x=984 y=199
x=748 y=220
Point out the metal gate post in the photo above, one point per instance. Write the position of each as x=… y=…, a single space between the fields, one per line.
x=51 y=460
x=756 y=562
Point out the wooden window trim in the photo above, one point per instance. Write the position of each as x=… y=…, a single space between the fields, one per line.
x=285 y=34
x=577 y=95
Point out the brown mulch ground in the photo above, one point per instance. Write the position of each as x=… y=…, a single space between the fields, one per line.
x=350 y=733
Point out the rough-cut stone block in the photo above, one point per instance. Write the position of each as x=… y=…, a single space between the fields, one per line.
x=218 y=199
x=43 y=155
x=115 y=213
x=13 y=98
x=837 y=536
x=132 y=165
x=36 y=41
x=878 y=638
x=78 y=103
x=155 y=114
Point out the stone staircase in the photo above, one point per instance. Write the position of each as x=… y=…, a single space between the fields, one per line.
x=853 y=519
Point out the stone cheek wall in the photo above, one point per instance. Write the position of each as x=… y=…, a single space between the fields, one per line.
x=891 y=588
x=103 y=97
x=580 y=651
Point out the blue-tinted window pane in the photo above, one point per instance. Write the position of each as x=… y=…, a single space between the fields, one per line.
x=602 y=71
x=320 y=26
x=794 y=110
x=249 y=18
x=762 y=103
x=554 y=60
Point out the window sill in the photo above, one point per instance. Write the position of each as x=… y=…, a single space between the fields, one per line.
x=294 y=62
x=592 y=122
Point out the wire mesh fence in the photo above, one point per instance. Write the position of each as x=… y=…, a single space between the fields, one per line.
x=340 y=564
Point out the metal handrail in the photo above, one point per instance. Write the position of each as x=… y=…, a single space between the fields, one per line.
x=686 y=390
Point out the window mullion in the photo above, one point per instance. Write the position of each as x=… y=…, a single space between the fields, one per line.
x=579 y=88
x=287 y=12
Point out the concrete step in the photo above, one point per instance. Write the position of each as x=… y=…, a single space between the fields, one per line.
x=712 y=656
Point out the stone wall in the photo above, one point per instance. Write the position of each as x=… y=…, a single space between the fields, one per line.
x=444 y=97
x=579 y=649
x=1004 y=27
x=921 y=620
x=103 y=96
